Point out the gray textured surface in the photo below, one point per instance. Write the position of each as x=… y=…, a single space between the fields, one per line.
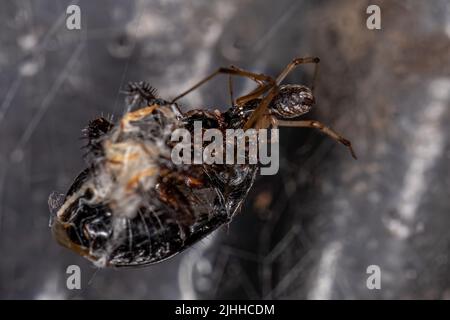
x=329 y=216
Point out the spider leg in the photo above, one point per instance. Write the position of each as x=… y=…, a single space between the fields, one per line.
x=254 y=94
x=256 y=118
x=295 y=63
x=264 y=84
x=258 y=78
x=230 y=89
x=317 y=125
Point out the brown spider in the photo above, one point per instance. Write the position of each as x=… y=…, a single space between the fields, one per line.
x=280 y=103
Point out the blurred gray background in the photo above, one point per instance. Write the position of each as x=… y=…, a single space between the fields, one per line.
x=309 y=232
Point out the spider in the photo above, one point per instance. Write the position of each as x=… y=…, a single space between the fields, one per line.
x=133 y=206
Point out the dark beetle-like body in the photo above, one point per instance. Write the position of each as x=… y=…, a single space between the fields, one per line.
x=168 y=210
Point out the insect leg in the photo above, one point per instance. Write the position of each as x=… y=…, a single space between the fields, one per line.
x=136 y=115
x=94 y=132
x=97 y=128
x=317 y=125
x=258 y=78
x=138 y=92
x=142 y=89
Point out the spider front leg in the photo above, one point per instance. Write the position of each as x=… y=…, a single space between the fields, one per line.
x=258 y=78
x=264 y=82
x=317 y=125
x=295 y=63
